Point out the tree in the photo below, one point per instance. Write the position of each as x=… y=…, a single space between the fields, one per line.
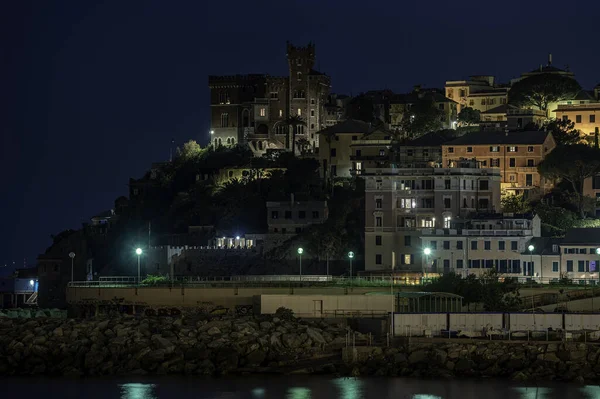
x=573 y=164
x=423 y=117
x=294 y=121
x=469 y=116
x=304 y=146
x=542 y=89
x=514 y=203
x=563 y=131
x=189 y=151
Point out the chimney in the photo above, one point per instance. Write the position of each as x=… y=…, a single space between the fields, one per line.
x=292 y=199
x=550 y=59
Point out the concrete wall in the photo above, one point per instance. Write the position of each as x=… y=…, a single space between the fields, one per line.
x=327 y=305
x=198 y=296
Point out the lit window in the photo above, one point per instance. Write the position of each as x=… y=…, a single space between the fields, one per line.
x=407 y=259
x=263 y=112
x=280 y=113
x=299 y=111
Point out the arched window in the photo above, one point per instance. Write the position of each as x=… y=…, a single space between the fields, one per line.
x=220 y=142
x=232 y=141
x=228 y=141
x=216 y=142
x=260 y=145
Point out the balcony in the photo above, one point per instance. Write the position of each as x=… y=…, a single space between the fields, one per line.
x=527 y=169
x=497 y=233
x=369 y=158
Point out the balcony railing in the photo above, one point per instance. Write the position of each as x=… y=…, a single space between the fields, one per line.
x=500 y=233
x=532 y=169
x=369 y=158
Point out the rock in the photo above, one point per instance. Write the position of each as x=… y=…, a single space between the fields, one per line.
x=400 y=358
x=163 y=343
x=316 y=336
x=93 y=359
x=265 y=325
x=103 y=325
x=58 y=332
x=291 y=341
x=255 y=358
x=213 y=331
x=419 y=356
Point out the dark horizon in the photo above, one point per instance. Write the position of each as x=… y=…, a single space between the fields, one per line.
x=95 y=91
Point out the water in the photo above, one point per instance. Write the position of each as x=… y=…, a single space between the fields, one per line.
x=289 y=387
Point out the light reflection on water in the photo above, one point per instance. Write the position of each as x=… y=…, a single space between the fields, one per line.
x=293 y=387
x=138 y=391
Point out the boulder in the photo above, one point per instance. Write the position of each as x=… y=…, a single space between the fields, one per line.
x=419 y=356
x=316 y=336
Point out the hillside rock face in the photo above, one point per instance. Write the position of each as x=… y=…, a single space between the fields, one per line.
x=128 y=345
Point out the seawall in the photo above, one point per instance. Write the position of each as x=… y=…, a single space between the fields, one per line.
x=127 y=345
x=453 y=358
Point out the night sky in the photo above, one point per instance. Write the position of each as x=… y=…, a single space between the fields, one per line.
x=93 y=92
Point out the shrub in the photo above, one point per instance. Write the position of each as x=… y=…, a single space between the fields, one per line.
x=284 y=313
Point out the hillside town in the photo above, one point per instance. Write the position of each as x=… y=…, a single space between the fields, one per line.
x=472 y=177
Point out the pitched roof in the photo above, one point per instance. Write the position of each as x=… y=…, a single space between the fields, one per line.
x=583 y=236
x=499 y=137
x=543 y=246
x=348 y=126
x=501 y=109
x=432 y=139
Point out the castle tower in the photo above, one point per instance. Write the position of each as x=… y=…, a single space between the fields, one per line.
x=308 y=90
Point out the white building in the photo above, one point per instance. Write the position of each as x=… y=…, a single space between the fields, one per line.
x=481 y=243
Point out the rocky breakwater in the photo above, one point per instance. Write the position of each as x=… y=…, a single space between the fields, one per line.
x=519 y=361
x=127 y=345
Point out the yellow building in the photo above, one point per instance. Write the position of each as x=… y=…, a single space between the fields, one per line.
x=351 y=146
x=478 y=92
x=586 y=117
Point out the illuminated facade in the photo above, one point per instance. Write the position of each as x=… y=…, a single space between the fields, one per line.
x=252 y=109
x=400 y=202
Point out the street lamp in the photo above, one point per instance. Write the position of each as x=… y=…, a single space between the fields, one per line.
x=212 y=132
x=350 y=256
x=300 y=252
x=138 y=252
x=531 y=248
x=597 y=251
x=427 y=252
x=72 y=256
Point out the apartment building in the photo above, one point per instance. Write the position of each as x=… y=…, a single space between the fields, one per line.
x=479 y=92
x=352 y=146
x=285 y=219
x=422 y=152
x=515 y=154
x=476 y=245
x=580 y=255
x=400 y=202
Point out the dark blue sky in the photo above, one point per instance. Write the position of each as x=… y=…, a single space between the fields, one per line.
x=92 y=92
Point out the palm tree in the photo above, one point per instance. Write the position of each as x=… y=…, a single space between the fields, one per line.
x=294 y=121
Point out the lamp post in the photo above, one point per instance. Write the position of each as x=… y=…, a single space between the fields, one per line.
x=72 y=256
x=531 y=248
x=138 y=252
x=427 y=252
x=350 y=256
x=300 y=252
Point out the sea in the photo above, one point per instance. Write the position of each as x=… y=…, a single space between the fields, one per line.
x=289 y=387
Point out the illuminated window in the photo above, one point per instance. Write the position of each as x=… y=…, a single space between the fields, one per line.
x=280 y=113
x=447 y=222
x=263 y=112
x=407 y=259
x=299 y=111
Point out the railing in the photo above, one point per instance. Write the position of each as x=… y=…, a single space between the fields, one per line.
x=355 y=313
x=577 y=107
x=527 y=169
x=480 y=233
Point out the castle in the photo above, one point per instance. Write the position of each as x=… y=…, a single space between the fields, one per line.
x=254 y=109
